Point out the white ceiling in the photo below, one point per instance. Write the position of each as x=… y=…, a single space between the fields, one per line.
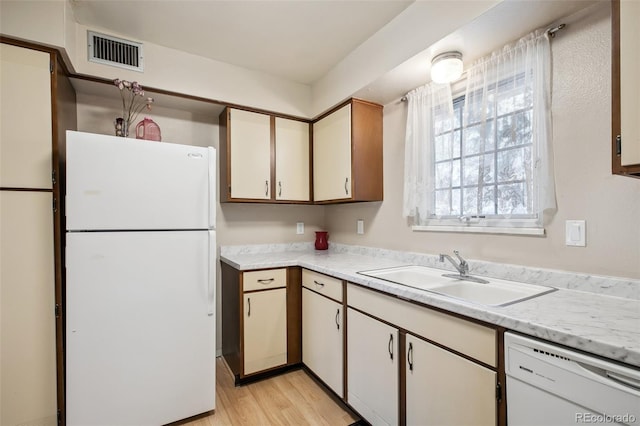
x=304 y=40
x=298 y=40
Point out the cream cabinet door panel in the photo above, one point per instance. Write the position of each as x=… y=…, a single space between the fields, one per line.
x=265 y=330
x=445 y=389
x=27 y=326
x=25 y=118
x=332 y=156
x=322 y=328
x=292 y=160
x=372 y=368
x=629 y=82
x=250 y=148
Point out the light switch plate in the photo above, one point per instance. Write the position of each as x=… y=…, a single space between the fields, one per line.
x=360 y=227
x=575 y=233
x=300 y=228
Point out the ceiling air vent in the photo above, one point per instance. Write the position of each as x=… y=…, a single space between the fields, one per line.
x=109 y=50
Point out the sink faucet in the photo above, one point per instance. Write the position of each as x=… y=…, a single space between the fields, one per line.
x=462 y=268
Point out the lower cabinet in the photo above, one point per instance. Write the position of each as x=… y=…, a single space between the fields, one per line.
x=443 y=388
x=260 y=320
x=446 y=373
x=265 y=330
x=372 y=369
x=322 y=335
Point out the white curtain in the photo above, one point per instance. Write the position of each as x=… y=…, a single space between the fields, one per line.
x=426 y=105
x=507 y=99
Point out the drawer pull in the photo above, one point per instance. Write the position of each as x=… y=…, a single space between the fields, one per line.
x=266 y=281
x=249 y=303
x=266 y=188
x=346 y=182
x=337 y=319
x=279 y=188
x=391 y=346
x=318 y=283
x=410 y=356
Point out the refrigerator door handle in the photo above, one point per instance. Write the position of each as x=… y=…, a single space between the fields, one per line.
x=211 y=281
x=212 y=188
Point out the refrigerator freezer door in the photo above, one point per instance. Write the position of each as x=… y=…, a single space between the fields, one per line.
x=127 y=184
x=140 y=342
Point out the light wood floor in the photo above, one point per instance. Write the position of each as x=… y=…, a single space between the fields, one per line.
x=292 y=398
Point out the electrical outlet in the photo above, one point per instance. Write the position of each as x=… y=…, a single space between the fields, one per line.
x=300 y=228
x=360 y=227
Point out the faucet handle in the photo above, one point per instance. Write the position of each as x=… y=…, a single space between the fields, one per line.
x=464 y=266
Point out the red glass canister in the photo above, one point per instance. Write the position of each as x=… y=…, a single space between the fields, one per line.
x=322 y=242
x=147 y=129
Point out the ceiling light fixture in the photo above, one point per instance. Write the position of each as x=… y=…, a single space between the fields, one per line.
x=446 y=67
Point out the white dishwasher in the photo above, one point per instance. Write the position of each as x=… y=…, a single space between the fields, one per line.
x=550 y=385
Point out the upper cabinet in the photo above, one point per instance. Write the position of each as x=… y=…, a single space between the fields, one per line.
x=267 y=159
x=25 y=114
x=626 y=87
x=263 y=158
x=347 y=154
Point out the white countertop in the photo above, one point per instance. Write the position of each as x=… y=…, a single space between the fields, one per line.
x=599 y=324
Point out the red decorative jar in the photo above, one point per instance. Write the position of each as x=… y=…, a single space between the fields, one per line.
x=322 y=242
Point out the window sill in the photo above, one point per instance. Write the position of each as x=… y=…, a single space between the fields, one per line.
x=479 y=230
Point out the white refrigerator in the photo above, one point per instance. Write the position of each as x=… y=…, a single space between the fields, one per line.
x=140 y=281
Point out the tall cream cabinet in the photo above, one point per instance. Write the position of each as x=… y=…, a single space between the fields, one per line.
x=347 y=154
x=323 y=328
x=263 y=158
x=37 y=104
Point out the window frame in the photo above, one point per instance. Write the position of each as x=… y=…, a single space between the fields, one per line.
x=522 y=224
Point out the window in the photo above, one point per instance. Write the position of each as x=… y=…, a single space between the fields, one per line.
x=480 y=170
x=482 y=161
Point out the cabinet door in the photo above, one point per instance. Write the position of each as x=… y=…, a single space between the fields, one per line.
x=250 y=151
x=25 y=118
x=27 y=329
x=292 y=160
x=630 y=93
x=265 y=330
x=445 y=389
x=322 y=328
x=372 y=368
x=332 y=156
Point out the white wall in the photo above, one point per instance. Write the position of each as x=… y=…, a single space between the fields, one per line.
x=586 y=189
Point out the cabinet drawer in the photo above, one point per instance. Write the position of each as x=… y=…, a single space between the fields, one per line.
x=263 y=280
x=323 y=284
x=469 y=338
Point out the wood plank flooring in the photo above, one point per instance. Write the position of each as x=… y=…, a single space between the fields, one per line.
x=293 y=398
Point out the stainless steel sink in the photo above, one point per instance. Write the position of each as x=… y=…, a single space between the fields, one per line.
x=494 y=293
